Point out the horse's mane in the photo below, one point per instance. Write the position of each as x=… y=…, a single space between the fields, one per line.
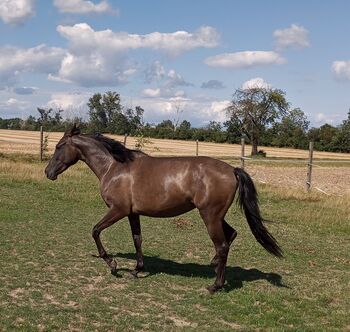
x=116 y=149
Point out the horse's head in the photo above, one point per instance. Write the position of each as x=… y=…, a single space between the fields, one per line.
x=65 y=155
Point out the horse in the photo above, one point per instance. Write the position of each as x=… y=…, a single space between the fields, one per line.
x=134 y=184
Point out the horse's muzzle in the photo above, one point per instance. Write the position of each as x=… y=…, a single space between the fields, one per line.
x=50 y=175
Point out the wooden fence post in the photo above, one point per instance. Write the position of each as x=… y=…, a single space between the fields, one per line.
x=41 y=143
x=309 y=166
x=197 y=147
x=125 y=137
x=242 y=153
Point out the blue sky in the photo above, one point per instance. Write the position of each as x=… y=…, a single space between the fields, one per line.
x=169 y=55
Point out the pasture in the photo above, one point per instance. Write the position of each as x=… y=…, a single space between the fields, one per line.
x=49 y=279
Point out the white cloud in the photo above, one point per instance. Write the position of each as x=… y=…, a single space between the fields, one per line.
x=174 y=79
x=151 y=93
x=98 y=58
x=199 y=111
x=16 y=11
x=92 y=69
x=68 y=100
x=82 y=36
x=83 y=7
x=155 y=72
x=295 y=36
x=13 y=103
x=245 y=59
x=321 y=118
x=256 y=83
x=167 y=84
x=216 y=111
x=16 y=61
x=341 y=69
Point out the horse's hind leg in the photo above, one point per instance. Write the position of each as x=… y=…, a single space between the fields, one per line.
x=112 y=216
x=230 y=232
x=217 y=235
x=134 y=220
x=230 y=235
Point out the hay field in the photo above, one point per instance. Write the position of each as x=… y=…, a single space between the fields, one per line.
x=28 y=142
x=331 y=175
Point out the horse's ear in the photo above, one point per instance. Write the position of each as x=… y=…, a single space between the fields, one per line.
x=73 y=131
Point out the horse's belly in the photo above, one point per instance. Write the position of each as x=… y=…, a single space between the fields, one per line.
x=164 y=211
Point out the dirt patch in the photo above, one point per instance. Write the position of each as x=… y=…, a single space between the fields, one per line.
x=182 y=222
x=17 y=293
x=232 y=325
x=179 y=322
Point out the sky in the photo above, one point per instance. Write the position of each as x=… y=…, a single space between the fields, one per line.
x=167 y=56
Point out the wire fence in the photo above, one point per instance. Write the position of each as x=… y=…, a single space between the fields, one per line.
x=329 y=177
x=338 y=182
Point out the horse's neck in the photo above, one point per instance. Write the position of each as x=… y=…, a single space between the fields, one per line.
x=98 y=160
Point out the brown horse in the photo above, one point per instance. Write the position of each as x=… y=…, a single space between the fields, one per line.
x=133 y=183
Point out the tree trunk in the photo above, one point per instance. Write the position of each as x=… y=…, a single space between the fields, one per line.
x=254 y=146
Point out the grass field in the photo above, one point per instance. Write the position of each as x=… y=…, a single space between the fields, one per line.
x=50 y=281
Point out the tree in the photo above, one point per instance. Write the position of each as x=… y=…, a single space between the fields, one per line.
x=234 y=131
x=184 y=130
x=50 y=119
x=105 y=112
x=178 y=111
x=256 y=108
x=135 y=120
x=215 y=133
x=324 y=137
x=165 y=129
x=292 y=130
x=341 y=140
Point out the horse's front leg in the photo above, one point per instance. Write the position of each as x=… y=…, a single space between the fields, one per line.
x=112 y=216
x=134 y=220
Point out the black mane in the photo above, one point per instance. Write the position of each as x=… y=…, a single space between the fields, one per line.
x=116 y=149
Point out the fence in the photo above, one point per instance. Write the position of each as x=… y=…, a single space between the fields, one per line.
x=309 y=163
x=316 y=174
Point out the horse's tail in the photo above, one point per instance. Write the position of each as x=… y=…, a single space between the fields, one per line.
x=248 y=202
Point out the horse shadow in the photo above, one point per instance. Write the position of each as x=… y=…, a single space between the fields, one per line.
x=235 y=275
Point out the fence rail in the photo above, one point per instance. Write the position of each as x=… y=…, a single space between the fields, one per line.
x=309 y=162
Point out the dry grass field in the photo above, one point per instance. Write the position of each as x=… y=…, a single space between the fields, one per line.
x=331 y=174
x=49 y=280
x=28 y=142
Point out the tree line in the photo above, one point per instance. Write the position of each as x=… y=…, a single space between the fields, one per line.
x=261 y=115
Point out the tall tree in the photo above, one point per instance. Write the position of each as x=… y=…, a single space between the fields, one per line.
x=50 y=119
x=342 y=139
x=292 y=130
x=254 y=109
x=184 y=130
x=324 y=137
x=104 y=111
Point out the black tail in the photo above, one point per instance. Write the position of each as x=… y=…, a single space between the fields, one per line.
x=248 y=202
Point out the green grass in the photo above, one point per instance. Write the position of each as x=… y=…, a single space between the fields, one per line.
x=50 y=281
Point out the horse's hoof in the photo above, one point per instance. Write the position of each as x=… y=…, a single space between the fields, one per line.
x=213 y=289
x=113 y=266
x=134 y=273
